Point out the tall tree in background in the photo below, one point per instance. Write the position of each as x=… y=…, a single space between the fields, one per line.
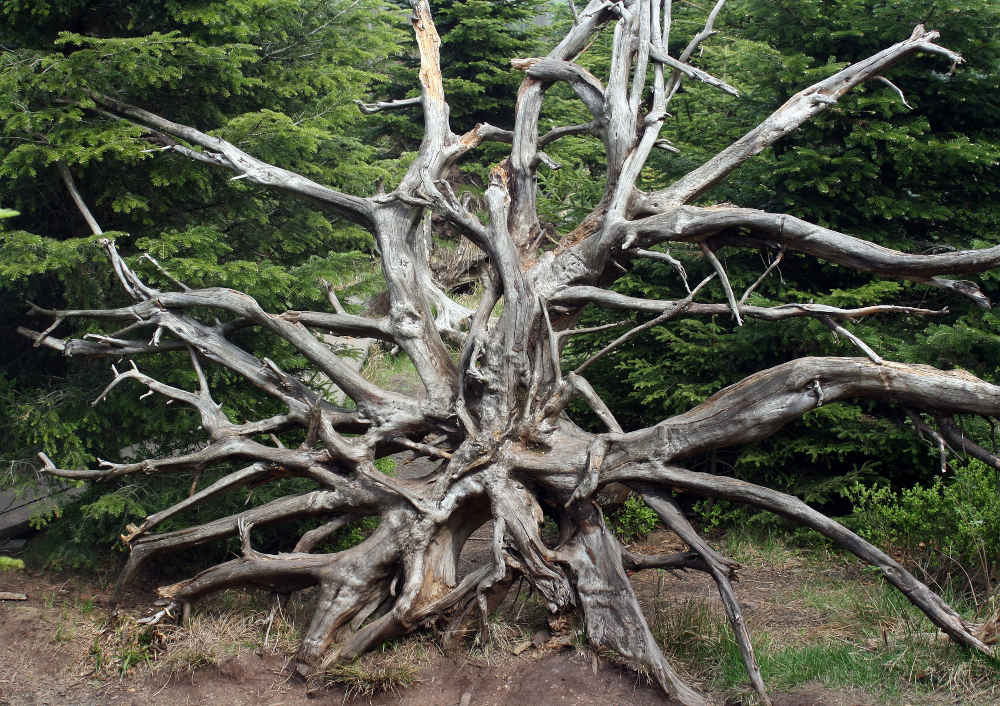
x=492 y=413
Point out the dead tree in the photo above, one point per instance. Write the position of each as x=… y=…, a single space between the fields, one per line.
x=494 y=415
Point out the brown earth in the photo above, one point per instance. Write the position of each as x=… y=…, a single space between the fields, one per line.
x=51 y=643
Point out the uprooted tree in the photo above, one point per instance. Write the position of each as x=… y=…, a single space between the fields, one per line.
x=493 y=413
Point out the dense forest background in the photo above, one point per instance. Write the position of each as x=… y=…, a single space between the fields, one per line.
x=279 y=78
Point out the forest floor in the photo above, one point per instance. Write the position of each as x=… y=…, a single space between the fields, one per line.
x=826 y=631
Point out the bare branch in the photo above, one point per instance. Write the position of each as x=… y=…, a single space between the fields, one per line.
x=308 y=541
x=957 y=439
x=707 y=31
x=213 y=419
x=67 y=178
x=331 y=296
x=380 y=106
x=559 y=132
x=721 y=569
x=724 y=279
x=222 y=153
x=224 y=449
x=523 y=221
x=613 y=300
x=924 y=429
x=801 y=107
x=153 y=261
x=694 y=224
x=692 y=72
x=897 y=89
x=665 y=316
x=587 y=87
x=839 y=330
x=342 y=324
x=670 y=562
x=774 y=263
x=589 y=329
x=670 y=260
x=966 y=288
x=764 y=402
x=236 y=479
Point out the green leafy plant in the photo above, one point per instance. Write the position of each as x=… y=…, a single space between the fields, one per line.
x=951 y=525
x=634 y=520
x=10 y=564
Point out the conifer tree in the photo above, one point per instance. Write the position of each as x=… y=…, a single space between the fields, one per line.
x=277 y=77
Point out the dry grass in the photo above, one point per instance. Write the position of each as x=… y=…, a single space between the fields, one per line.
x=209 y=640
x=394 y=667
x=503 y=638
x=232 y=625
x=818 y=621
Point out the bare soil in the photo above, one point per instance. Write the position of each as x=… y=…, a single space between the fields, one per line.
x=47 y=646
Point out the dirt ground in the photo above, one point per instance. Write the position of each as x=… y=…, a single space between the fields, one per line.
x=49 y=646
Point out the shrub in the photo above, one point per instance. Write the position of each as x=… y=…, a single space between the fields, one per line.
x=949 y=527
x=634 y=520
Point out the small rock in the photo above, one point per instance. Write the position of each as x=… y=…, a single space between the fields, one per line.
x=235 y=668
x=540 y=637
x=521 y=647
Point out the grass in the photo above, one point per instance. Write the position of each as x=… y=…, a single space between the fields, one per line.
x=386 y=671
x=504 y=636
x=871 y=639
x=389 y=370
x=832 y=623
x=232 y=624
x=212 y=638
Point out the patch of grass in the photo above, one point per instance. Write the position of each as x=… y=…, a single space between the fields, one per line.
x=881 y=644
x=827 y=595
x=121 y=644
x=230 y=625
x=210 y=639
x=694 y=635
x=384 y=672
x=760 y=548
x=388 y=370
x=503 y=636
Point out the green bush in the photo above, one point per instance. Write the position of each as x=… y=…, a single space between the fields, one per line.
x=634 y=520
x=10 y=564
x=950 y=527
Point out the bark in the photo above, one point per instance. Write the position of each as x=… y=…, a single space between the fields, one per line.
x=494 y=415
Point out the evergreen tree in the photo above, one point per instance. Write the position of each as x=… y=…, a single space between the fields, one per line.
x=277 y=77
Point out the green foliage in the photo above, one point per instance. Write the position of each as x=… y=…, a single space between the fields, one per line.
x=355 y=533
x=10 y=564
x=386 y=465
x=479 y=38
x=952 y=522
x=634 y=520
